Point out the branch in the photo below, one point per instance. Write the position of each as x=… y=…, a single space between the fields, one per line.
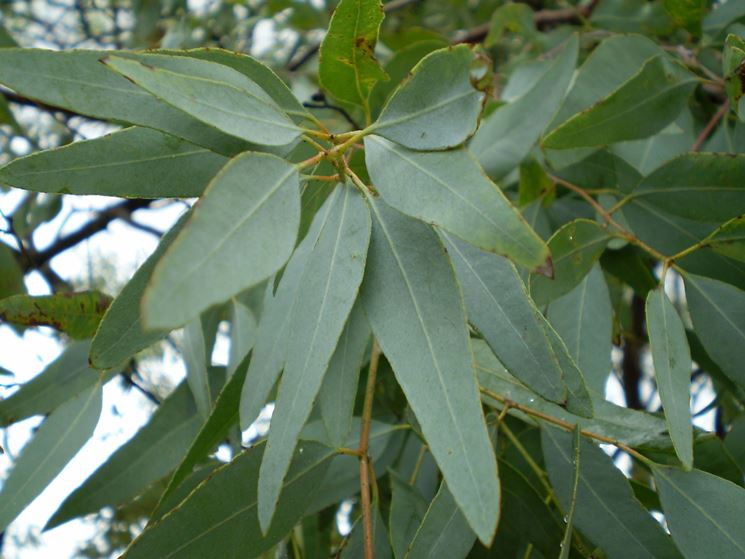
x=363 y=451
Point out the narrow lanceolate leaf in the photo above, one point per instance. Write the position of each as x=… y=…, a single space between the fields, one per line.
x=339 y=389
x=672 y=370
x=579 y=400
x=606 y=510
x=221 y=513
x=75 y=314
x=449 y=189
x=574 y=249
x=77 y=81
x=348 y=69
x=408 y=508
x=268 y=356
x=328 y=290
x=718 y=314
x=381 y=546
x=699 y=186
x=242 y=334
x=498 y=306
x=53 y=445
x=151 y=454
x=11 y=275
x=416 y=312
x=639 y=108
x=438 y=107
x=133 y=163
x=252 y=210
x=194 y=349
x=64 y=378
x=506 y=136
x=224 y=416
x=566 y=542
x=444 y=531
x=729 y=239
x=120 y=334
x=213 y=94
x=703 y=512
x=584 y=320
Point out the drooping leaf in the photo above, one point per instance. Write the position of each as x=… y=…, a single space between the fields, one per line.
x=211 y=93
x=579 y=400
x=327 y=292
x=699 y=186
x=11 y=275
x=450 y=190
x=507 y=135
x=619 y=423
x=337 y=394
x=416 y=313
x=584 y=320
x=268 y=357
x=120 y=333
x=53 y=445
x=641 y=107
x=438 y=107
x=672 y=370
x=498 y=306
x=566 y=542
x=221 y=513
x=574 y=249
x=133 y=163
x=444 y=531
x=348 y=69
x=77 y=81
x=703 y=512
x=64 y=378
x=251 y=208
x=718 y=313
x=408 y=507
x=75 y=314
x=606 y=510
x=196 y=345
x=355 y=548
x=224 y=415
x=146 y=458
x=242 y=334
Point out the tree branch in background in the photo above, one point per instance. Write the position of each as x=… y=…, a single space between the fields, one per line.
x=631 y=369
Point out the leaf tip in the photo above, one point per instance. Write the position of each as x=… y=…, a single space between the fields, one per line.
x=546 y=269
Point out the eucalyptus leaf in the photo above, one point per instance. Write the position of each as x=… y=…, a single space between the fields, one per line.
x=408 y=507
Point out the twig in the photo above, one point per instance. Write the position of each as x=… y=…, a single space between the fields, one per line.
x=706 y=132
x=363 y=451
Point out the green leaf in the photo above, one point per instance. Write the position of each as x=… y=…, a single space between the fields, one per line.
x=507 y=135
x=584 y=320
x=703 y=512
x=632 y=16
x=64 y=378
x=224 y=415
x=408 y=508
x=566 y=542
x=348 y=69
x=438 y=107
x=718 y=314
x=698 y=186
x=444 y=531
x=499 y=307
x=243 y=330
x=77 y=81
x=355 y=548
x=213 y=94
x=641 y=107
x=327 y=292
x=729 y=239
x=629 y=426
x=449 y=189
x=574 y=248
x=337 y=394
x=75 y=314
x=606 y=510
x=120 y=334
x=687 y=13
x=198 y=335
x=579 y=400
x=53 y=445
x=515 y=18
x=133 y=163
x=11 y=275
x=251 y=208
x=416 y=312
x=146 y=458
x=268 y=356
x=672 y=370
x=221 y=513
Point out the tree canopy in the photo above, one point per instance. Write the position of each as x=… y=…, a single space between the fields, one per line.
x=482 y=262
